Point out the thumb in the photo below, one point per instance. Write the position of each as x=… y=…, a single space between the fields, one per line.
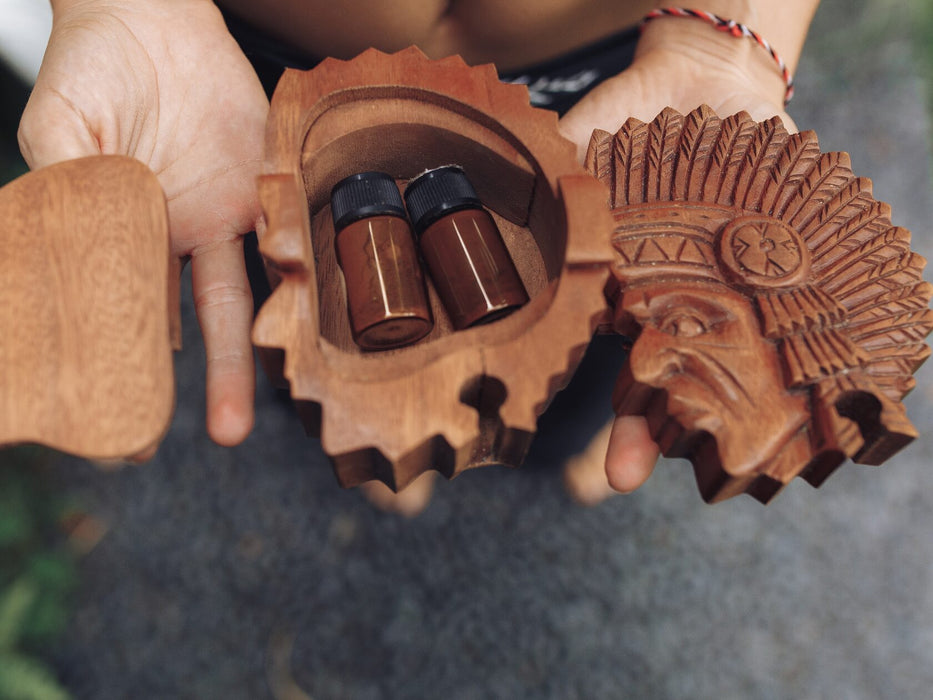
x=631 y=454
x=52 y=130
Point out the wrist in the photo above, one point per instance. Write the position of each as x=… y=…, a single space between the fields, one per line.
x=715 y=55
x=784 y=24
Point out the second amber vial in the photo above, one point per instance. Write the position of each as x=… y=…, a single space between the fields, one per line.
x=462 y=248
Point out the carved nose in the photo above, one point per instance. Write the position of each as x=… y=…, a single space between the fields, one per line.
x=653 y=360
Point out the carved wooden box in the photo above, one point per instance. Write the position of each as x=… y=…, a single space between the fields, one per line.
x=454 y=399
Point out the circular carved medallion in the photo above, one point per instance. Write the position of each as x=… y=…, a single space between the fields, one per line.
x=761 y=252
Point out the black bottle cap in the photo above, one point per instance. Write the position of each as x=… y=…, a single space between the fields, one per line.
x=436 y=193
x=364 y=195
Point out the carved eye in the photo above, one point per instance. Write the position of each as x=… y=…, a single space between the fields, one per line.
x=683 y=325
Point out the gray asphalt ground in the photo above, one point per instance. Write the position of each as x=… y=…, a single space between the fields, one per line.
x=216 y=560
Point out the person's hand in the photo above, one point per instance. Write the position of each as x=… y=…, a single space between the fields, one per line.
x=164 y=82
x=682 y=65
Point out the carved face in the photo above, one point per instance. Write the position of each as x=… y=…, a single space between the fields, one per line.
x=702 y=344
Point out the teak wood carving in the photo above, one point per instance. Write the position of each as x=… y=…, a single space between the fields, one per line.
x=777 y=314
x=86 y=284
x=454 y=399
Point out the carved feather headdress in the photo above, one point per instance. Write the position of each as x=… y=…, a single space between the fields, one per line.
x=834 y=283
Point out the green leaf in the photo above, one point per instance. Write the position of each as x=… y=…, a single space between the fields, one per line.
x=52 y=571
x=25 y=678
x=53 y=576
x=46 y=621
x=15 y=521
x=15 y=603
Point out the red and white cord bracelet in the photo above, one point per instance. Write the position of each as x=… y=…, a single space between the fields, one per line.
x=730 y=26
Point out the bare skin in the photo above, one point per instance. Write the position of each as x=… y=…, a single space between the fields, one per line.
x=510 y=33
x=131 y=77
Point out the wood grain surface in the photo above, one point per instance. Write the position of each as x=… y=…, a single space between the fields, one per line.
x=86 y=289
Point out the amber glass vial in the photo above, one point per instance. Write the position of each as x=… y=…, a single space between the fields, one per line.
x=462 y=248
x=386 y=297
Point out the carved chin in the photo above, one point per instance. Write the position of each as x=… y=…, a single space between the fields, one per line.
x=747 y=441
x=745 y=457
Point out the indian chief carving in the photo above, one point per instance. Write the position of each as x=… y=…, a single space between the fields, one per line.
x=777 y=315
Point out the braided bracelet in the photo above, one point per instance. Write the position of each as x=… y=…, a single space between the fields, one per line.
x=730 y=26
